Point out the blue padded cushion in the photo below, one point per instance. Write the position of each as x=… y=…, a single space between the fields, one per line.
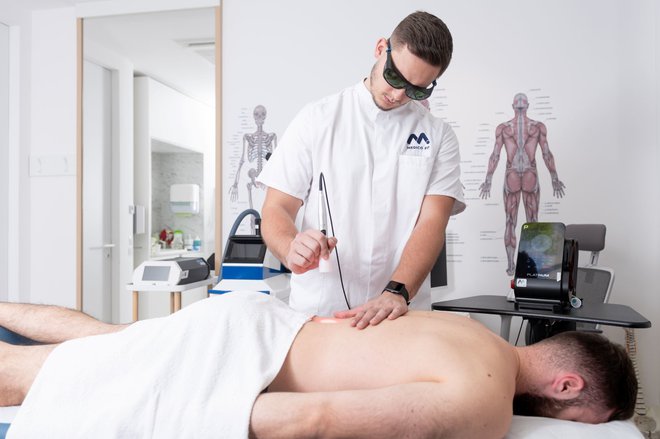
x=3 y=430
x=13 y=338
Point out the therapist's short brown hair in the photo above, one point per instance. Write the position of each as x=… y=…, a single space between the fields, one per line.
x=427 y=37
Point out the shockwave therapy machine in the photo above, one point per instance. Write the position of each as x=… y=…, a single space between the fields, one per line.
x=247 y=264
x=546 y=268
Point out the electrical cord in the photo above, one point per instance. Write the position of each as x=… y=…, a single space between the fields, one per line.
x=332 y=228
x=522 y=321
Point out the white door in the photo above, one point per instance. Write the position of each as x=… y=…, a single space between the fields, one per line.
x=4 y=159
x=98 y=242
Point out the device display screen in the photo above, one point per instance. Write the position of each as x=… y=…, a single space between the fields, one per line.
x=541 y=251
x=156 y=273
x=246 y=252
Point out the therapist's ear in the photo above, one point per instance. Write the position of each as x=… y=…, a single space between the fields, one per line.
x=381 y=47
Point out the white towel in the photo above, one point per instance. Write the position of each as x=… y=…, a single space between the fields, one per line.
x=194 y=374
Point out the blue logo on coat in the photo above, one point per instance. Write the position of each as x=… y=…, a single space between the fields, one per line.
x=418 y=139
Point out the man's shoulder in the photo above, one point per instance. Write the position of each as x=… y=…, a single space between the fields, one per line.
x=325 y=111
x=424 y=115
x=334 y=100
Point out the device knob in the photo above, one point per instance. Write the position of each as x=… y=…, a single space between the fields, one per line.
x=576 y=302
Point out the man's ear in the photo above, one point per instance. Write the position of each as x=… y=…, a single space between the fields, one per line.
x=567 y=385
x=381 y=47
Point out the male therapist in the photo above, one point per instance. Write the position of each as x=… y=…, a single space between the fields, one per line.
x=392 y=176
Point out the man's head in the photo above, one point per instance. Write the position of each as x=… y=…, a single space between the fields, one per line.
x=582 y=377
x=417 y=53
x=426 y=37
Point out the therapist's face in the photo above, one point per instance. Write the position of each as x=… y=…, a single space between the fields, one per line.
x=413 y=69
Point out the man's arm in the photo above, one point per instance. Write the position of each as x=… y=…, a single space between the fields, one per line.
x=425 y=242
x=299 y=251
x=419 y=255
x=414 y=410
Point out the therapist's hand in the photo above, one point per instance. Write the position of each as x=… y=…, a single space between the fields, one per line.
x=307 y=248
x=386 y=306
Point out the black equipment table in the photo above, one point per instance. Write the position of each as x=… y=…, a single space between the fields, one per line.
x=600 y=313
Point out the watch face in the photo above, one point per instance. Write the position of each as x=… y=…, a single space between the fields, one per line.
x=398 y=288
x=395 y=286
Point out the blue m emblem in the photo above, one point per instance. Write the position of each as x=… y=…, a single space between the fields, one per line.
x=418 y=139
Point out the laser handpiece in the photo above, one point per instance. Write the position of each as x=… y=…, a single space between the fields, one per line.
x=324 y=264
x=323 y=226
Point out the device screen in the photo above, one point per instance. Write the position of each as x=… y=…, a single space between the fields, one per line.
x=156 y=273
x=241 y=251
x=541 y=251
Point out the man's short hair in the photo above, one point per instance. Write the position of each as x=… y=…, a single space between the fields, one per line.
x=605 y=367
x=427 y=37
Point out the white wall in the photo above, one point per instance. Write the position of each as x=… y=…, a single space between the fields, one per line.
x=632 y=203
x=52 y=121
x=594 y=61
x=4 y=157
x=18 y=190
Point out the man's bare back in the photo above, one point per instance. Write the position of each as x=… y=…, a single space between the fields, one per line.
x=329 y=355
x=445 y=370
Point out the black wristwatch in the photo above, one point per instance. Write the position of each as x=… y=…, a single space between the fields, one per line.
x=398 y=288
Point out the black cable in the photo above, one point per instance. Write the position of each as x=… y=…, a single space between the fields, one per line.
x=332 y=227
x=522 y=321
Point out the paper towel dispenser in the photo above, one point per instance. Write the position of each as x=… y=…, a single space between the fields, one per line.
x=184 y=198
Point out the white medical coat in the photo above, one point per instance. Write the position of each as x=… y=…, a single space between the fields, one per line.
x=378 y=166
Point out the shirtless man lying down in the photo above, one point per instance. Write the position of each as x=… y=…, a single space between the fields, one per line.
x=426 y=374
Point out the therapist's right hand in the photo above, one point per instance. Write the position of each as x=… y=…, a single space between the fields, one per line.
x=307 y=248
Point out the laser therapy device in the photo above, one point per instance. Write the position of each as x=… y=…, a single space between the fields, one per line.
x=546 y=269
x=324 y=264
x=247 y=264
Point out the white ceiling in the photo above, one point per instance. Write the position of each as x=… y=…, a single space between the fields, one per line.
x=173 y=47
x=153 y=42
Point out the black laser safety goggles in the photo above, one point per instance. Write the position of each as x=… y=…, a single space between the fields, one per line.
x=396 y=80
